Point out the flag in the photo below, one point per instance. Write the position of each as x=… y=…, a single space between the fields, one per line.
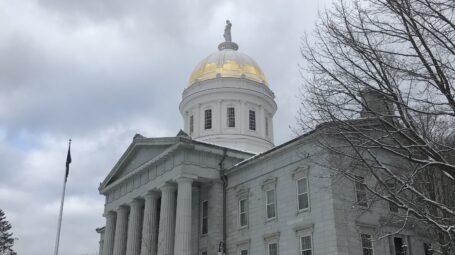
x=68 y=161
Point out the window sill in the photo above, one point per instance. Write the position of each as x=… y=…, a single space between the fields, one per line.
x=307 y=210
x=243 y=228
x=270 y=220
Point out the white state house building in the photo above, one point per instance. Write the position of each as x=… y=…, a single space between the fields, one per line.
x=222 y=187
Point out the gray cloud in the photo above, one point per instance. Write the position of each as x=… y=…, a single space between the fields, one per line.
x=101 y=71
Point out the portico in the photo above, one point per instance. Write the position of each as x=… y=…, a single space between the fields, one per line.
x=134 y=226
x=153 y=192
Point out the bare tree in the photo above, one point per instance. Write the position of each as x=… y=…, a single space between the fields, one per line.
x=380 y=76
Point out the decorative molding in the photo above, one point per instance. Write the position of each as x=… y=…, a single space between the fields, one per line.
x=364 y=225
x=271 y=237
x=306 y=229
x=269 y=183
x=242 y=192
x=300 y=172
x=244 y=243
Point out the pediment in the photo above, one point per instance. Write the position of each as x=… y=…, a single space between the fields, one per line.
x=138 y=153
x=141 y=155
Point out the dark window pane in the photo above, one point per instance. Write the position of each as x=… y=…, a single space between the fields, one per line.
x=302 y=186
x=231 y=117
x=303 y=201
x=208 y=119
x=400 y=247
x=252 y=118
x=428 y=249
x=273 y=249
x=205 y=222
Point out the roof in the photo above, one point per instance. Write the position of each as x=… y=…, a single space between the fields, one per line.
x=227 y=63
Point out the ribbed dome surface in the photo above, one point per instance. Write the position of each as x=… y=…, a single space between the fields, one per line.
x=227 y=63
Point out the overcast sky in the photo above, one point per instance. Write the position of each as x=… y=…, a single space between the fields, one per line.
x=99 y=71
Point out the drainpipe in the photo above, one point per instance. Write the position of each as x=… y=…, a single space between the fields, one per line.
x=222 y=245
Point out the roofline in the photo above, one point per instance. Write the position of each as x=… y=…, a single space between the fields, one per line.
x=175 y=142
x=325 y=125
x=271 y=151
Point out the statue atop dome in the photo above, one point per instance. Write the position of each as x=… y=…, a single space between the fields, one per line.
x=228 y=44
x=227 y=31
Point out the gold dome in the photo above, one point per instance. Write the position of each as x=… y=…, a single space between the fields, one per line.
x=227 y=63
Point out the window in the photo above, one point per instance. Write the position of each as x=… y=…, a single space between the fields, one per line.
x=305 y=245
x=204 y=216
x=204 y=253
x=367 y=245
x=243 y=212
x=230 y=117
x=428 y=249
x=266 y=126
x=400 y=246
x=243 y=252
x=252 y=118
x=302 y=194
x=191 y=124
x=270 y=204
x=208 y=119
x=361 y=191
x=273 y=249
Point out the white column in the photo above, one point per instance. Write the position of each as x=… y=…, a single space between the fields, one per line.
x=183 y=219
x=133 y=244
x=108 y=244
x=150 y=225
x=121 y=231
x=195 y=221
x=167 y=220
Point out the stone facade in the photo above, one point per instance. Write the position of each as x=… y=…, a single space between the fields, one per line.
x=214 y=194
x=158 y=209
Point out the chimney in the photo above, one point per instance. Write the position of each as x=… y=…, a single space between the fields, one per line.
x=376 y=104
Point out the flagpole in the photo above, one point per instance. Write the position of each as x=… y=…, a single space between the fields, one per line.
x=59 y=226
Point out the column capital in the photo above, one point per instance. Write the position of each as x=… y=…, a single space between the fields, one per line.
x=123 y=209
x=109 y=214
x=152 y=194
x=167 y=187
x=136 y=202
x=186 y=178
